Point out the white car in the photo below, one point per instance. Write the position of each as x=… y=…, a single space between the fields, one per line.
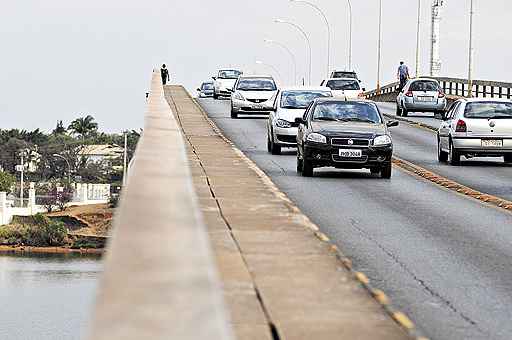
x=290 y=104
x=253 y=95
x=478 y=127
x=421 y=95
x=348 y=88
x=224 y=81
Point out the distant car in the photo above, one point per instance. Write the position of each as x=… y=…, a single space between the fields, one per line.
x=348 y=88
x=206 y=90
x=290 y=103
x=421 y=95
x=344 y=74
x=224 y=82
x=476 y=128
x=253 y=95
x=344 y=134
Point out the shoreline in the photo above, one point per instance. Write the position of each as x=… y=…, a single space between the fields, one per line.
x=50 y=250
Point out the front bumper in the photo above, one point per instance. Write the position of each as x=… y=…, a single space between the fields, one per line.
x=245 y=106
x=285 y=136
x=473 y=145
x=322 y=155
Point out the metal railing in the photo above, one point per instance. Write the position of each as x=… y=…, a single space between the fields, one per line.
x=457 y=87
x=160 y=279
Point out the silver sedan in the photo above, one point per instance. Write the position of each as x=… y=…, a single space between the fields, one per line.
x=476 y=128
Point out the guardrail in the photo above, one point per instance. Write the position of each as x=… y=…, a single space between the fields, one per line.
x=457 y=87
x=159 y=280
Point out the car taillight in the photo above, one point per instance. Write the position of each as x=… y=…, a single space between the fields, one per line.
x=409 y=94
x=461 y=126
x=441 y=94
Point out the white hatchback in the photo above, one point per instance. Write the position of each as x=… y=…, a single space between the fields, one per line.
x=347 y=88
x=253 y=95
x=290 y=104
x=476 y=128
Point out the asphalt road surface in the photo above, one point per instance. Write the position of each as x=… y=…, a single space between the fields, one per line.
x=443 y=258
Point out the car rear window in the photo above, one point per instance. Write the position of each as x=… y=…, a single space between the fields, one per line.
x=343 y=84
x=344 y=74
x=301 y=99
x=347 y=111
x=488 y=110
x=256 y=85
x=229 y=74
x=424 y=85
x=207 y=86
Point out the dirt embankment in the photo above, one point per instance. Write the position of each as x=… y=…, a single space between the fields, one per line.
x=87 y=220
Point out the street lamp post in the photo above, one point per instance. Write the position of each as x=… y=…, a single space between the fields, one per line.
x=308 y=42
x=294 y=60
x=69 y=166
x=418 y=40
x=319 y=10
x=259 y=62
x=350 y=36
x=379 y=47
x=471 y=52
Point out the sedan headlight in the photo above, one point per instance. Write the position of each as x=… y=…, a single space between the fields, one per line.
x=283 y=123
x=238 y=96
x=382 y=140
x=316 y=138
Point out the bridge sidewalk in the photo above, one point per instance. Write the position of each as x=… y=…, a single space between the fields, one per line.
x=280 y=281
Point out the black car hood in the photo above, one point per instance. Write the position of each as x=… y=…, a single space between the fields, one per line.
x=348 y=129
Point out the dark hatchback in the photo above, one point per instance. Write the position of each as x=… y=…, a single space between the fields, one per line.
x=344 y=134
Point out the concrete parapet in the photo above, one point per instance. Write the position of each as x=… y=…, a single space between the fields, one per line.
x=160 y=281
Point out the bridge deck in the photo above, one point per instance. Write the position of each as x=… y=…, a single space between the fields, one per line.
x=279 y=280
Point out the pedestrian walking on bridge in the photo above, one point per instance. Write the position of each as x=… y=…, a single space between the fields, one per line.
x=165 y=74
x=402 y=75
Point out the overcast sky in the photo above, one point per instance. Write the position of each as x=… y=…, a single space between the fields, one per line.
x=61 y=59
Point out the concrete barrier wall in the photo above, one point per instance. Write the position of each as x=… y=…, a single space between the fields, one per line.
x=159 y=281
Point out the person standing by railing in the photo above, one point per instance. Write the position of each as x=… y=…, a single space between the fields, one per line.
x=402 y=75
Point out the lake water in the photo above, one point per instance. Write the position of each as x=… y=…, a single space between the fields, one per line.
x=46 y=297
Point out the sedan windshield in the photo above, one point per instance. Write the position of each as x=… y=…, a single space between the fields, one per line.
x=343 y=84
x=424 y=85
x=488 y=110
x=229 y=74
x=300 y=99
x=256 y=85
x=347 y=111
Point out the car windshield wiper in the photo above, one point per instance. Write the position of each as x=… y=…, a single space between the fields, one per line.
x=361 y=120
x=292 y=107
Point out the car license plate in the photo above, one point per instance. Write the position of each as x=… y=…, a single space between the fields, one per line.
x=492 y=143
x=257 y=107
x=348 y=153
x=425 y=99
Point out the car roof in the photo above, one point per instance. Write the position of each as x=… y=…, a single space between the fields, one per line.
x=341 y=78
x=305 y=88
x=421 y=78
x=207 y=82
x=335 y=99
x=266 y=76
x=484 y=100
x=344 y=71
x=229 y=69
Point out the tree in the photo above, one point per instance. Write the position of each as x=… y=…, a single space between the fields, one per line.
x=84 y=127
x=6 y=181
x=59 y=129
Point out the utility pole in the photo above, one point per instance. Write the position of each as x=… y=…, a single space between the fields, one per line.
x=418 y=40
x=125 y=158
x=471 y=52
x=379 y=47
x=21 y=184
x=435 y=61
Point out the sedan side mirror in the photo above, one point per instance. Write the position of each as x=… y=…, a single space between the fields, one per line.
x=198 y=89
x=364 y=89
x=214 y=78
x=392 y=123
x=299 y=120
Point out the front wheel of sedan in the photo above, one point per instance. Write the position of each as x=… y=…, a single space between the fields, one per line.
x=453 y=155
x=307 y=168
x=398 y=110
x=386 y=170
x=269 y=144
x=441 y=155
x=234 y=114
x=404 y=112
x=299 y=163
x=507 y=158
